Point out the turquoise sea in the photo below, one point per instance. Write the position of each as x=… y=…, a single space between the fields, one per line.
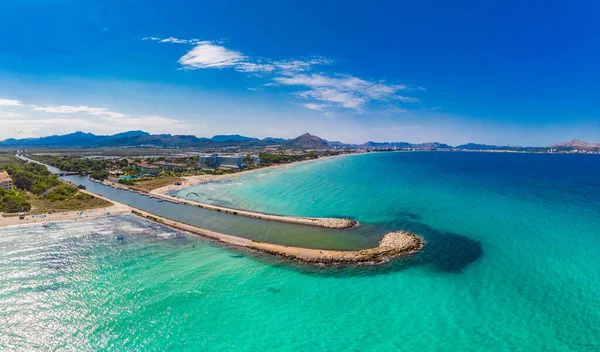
x=511 y=264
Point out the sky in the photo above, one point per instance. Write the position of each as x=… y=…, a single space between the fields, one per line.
x=496 y=72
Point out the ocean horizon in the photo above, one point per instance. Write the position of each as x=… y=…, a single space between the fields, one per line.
x=510 y=264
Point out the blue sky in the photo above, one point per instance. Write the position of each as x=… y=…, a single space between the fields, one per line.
x=506 y=72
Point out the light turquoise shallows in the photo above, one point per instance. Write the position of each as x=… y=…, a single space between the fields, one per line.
x=512 y=264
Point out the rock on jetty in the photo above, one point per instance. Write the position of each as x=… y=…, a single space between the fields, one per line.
x=330 y=223
x=392 y=245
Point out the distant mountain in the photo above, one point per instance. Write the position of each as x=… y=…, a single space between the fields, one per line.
x=432 y=145
x=385 y=145
x=306 y=141
x=474 y=146
x=338 y=144
x=129 y=134
x=162 y=140
x=403 y=145
x=232 y=137
x=272 y=140
x=576 y=144
x=77 y=139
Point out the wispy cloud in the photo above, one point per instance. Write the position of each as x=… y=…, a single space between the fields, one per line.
x=210 y=54
x=288 y=66
x=336 y=90
x=68 y=118
x=344 y=90
x=68 y=109
x=10 y=102
x=175 y=40
x=313 y=106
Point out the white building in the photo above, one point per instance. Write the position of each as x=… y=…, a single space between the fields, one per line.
x=5 y=181
x=216 y=160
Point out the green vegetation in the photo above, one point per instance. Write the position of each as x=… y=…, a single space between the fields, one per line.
x=31 y=177
x=37 y=189
x=12 y=201
x=80 y=201
x=99 y=175
x=127 y=182
x=267 y=159
x=70 y=164
x=5 y=159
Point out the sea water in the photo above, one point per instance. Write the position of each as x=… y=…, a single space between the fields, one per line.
x=511 y=264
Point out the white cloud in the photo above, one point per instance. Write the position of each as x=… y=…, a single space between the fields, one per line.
x=345 y=90
x=341 y=90
x=254 y=67
x=175 y=40
x=345 y=99
x=68 y=109
x=207 y=55
x=25 y=132
x=290 y=66
x=210 y=55
x=313 y=106
x=10 y=102
x=8 y=114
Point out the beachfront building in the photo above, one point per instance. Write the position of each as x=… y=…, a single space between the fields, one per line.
x=5 y=181
x=212 y=161
x=170 y=166
x=148 y=169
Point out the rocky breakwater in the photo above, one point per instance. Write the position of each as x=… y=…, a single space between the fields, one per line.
x=392 y=245
x=330 y=223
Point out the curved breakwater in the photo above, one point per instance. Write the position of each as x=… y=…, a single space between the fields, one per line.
x=392 y=245
x=255 y=229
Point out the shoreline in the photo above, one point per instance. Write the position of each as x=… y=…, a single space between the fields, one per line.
x=392 y=245
x=115 y=209
x=190 y=181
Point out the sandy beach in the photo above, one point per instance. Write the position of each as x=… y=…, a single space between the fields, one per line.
x=190 y=181
x=64 y=216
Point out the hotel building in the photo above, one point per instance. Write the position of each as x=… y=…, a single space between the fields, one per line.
x=5 y=181
x=212 y=161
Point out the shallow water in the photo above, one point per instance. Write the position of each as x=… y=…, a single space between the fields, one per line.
x=511 y=265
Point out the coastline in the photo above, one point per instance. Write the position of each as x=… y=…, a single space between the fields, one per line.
x=190 y=181
x=115 y=209
x=392 y=245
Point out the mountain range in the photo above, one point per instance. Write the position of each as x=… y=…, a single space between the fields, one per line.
x=305 y=141
x=577 y=144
